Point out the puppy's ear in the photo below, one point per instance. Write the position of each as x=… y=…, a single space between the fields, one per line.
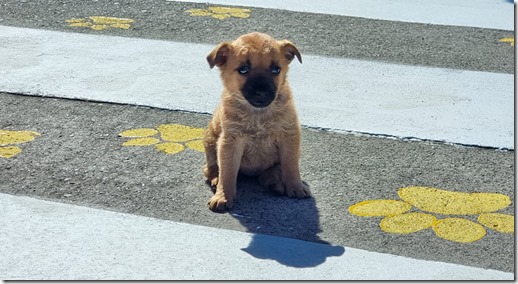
x=289 y=50
x=219 y=55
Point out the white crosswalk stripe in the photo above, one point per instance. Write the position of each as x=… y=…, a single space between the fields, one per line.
x=478 y=13
x=86 y=243
x=456 y=106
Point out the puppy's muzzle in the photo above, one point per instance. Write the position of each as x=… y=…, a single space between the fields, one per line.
x=259 y=91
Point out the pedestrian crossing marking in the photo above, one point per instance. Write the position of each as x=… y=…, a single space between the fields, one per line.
x=9 y=151
x=8 y=138
x=220 y=13
x=459 y=230
x=100 y=23
x=373 y=208
x=499 y=222
x=407 y=223
x=508 y=39
x=398 y=220
x=144 y=141
x=447 y=202
x=173 y=138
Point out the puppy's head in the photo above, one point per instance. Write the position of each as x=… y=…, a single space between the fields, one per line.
x=254 y=66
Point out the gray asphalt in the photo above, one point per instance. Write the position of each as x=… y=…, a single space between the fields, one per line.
x=79 y=159
x=338 y=36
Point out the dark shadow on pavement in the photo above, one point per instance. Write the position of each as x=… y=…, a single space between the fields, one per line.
x=291 y=252
x=264 y=214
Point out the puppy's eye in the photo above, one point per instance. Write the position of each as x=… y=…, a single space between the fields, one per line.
x=276 y=70
x=243 y=70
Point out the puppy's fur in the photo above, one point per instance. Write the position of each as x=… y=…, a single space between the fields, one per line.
x=255 y=129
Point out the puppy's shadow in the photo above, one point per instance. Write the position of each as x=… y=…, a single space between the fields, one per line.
x=266 y=215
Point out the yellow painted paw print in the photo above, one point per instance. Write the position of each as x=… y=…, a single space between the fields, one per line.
x=99 y=23
x=8 y=138
x=173 y=138
x=397 y=218
x=508 y=39
x=220 y=13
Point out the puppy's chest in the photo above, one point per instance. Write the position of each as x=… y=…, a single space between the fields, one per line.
x=262 y=137
x=261 y=145
x=256 y=142
x=260 y=152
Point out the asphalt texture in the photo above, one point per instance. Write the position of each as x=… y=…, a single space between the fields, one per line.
x=79 y=159
x=336 y=36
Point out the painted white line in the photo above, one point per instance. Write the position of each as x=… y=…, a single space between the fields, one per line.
x=456 y=106
x=493 y=14
x=44 y=240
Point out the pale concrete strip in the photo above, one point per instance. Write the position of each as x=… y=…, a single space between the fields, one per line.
x=494 y=14
x=48 y=240
x=466 y=107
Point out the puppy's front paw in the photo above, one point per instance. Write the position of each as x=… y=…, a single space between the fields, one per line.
x=219 y=203
x=298 y=190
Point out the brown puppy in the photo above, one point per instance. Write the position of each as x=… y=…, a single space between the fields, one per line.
x=255 y=129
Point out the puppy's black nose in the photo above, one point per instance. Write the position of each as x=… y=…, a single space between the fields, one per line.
x=261 y=95
x=261 y=98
